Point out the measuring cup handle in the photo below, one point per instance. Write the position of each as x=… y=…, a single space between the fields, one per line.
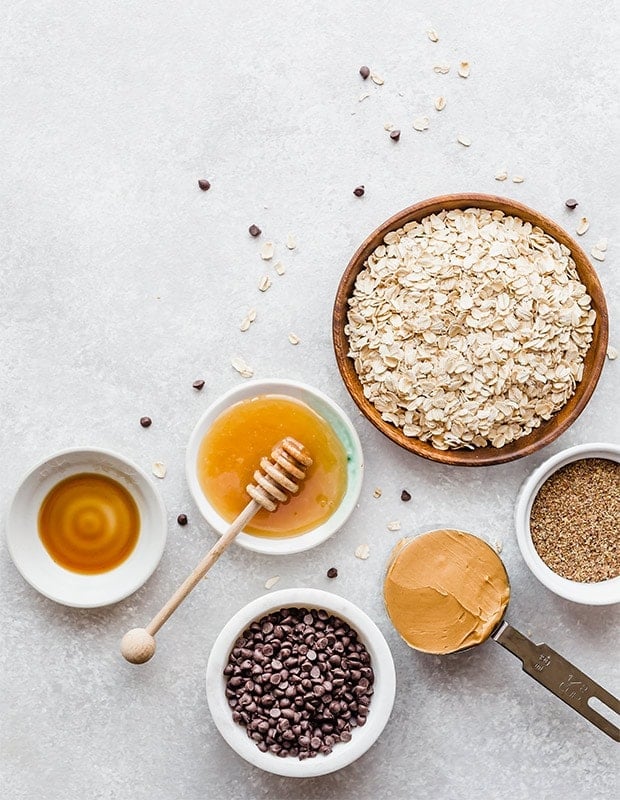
x=559 y=676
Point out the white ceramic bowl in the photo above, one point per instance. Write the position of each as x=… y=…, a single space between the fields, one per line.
x=331 y=413
x=601 y=593
x=72 y=588
x=344 y=753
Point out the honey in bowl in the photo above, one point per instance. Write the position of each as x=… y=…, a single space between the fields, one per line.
x=89 y=523
x=232 y=448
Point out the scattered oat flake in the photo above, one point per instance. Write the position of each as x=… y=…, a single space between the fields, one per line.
x=279 y=268
x=267 y=251
x=159 y=469
x=420 y=124
x=377 y=493
x=291 y=242
x=271 y=582
x=464 y=69
x=242 y=368
x=498 y=545
x=265 y=283
x=583 y=226
x=432 y=35
x=440 y=103
x=388 y=126
x=362 y=551
x=393 y=526
x=376 y=79
x=599 y=255
x=293 y=339
x=502 y=175
x=363 y=97
x=248 y=320
x=612 y=353
x=601 y=245
x=518 y=178
x=441 y=69
x=464 y=141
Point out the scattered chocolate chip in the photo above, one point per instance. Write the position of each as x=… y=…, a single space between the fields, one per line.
x=204 y=184
x=332 y=572
x=254 y=230
x=182 y=519
x=365 y=72
x=395 y=135
x=571 y=203
x=146 y=422
x=198 y=385
x=359 y=190
x=405 y=496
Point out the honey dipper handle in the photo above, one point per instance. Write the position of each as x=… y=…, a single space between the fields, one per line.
x=202 y=568
x=279 y=479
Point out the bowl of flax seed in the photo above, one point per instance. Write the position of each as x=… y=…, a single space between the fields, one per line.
x=567 y=519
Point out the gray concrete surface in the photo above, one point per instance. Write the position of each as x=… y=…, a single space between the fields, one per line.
x=121 y=283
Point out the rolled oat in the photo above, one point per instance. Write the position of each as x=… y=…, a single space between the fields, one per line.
x=469 y=328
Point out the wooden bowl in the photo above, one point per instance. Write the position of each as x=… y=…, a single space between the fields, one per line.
x=547 y=431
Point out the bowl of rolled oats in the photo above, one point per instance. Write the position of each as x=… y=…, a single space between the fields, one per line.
x=470 y=329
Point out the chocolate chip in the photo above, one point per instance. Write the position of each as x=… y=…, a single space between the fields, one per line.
x=182 y=519
x=254 y=231
x=395 y=135
x=359 y=190
x=204 y=184
x=364 y=72
x=405 y=496
x=318 y=690
x=332 y=572
x=146 y=422
x=198 y=385
x=571 y=203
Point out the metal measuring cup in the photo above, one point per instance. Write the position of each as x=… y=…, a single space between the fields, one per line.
x=549 y=668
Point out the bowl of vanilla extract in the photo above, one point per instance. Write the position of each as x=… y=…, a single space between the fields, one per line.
x=86 y=527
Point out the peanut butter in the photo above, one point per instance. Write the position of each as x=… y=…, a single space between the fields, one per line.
x=445 y=590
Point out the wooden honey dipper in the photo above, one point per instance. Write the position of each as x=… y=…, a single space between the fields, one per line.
x=277 y=479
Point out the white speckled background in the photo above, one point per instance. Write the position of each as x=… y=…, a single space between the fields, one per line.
x=121 y=283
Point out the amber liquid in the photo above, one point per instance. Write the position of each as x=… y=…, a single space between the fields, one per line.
x=243 y=434
x=89 y=523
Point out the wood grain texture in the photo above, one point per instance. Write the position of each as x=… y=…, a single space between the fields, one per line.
x=549 y=430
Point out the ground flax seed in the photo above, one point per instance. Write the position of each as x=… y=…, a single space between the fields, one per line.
x=575 y=520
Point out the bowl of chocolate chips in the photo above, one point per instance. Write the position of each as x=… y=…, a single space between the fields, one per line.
x=300 y=682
